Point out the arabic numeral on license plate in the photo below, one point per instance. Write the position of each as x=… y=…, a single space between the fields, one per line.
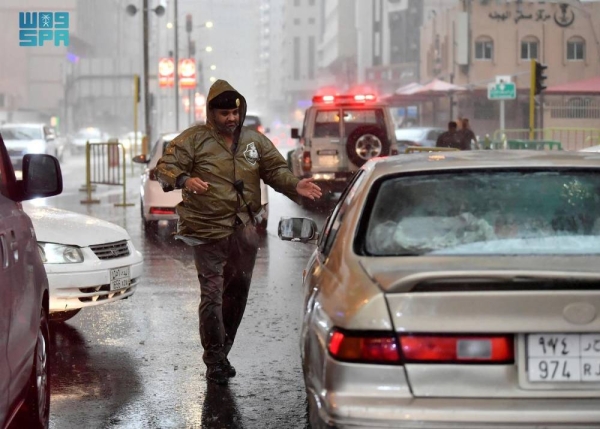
x=550 y=369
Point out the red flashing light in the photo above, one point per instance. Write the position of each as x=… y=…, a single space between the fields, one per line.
x=344 y=99
x=162 y=210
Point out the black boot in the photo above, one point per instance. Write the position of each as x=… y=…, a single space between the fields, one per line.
x=217 y=373
x=229 y=369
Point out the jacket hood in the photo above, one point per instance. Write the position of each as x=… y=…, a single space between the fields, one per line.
x=220 y=86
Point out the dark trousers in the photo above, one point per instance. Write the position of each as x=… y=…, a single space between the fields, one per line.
x=225 y=270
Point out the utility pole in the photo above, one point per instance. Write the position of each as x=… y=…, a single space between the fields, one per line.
x=146 y=77
x=176 y=57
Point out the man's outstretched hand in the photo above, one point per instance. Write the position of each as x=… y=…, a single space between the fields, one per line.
x=308 y=189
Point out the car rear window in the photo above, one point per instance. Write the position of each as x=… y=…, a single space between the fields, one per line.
x=327 y=124
x=486 y=212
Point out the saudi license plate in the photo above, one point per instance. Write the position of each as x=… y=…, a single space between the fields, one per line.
x=119 y=278
x=556 y=358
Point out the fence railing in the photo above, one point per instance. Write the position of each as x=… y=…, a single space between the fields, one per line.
x=571 y=138
x=105 y=164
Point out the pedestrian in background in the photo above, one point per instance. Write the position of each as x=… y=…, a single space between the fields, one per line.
x=218 y=167
x=450 y=138
x=468 y=139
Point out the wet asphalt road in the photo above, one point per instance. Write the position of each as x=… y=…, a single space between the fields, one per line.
x=137 y=363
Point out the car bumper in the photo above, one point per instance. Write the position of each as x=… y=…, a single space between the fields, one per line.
x=88 y=284
x=378 y=396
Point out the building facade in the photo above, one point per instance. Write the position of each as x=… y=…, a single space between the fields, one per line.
x=477 y=40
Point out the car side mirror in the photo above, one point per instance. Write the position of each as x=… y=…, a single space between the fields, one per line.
x=41 y=177
x=141 y=159
x=295 y=133
x=297 y=229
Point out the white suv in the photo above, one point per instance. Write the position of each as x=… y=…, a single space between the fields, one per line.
x=341 y=133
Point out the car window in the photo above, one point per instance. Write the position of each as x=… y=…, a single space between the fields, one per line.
x=251 y=121
x=504 y=212
x=21 y=133
x=356 y=118
x=327 y=124
x=335 y=220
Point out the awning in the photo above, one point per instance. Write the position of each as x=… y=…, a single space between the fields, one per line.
x=581 y=87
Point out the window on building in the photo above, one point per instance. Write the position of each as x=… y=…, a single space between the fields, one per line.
x=311 y=20
x=576 y=49
x=296 y=2
x=484 y=49
x=296 y=58
x=529 y=48
x=296 y=21
x=311 y=2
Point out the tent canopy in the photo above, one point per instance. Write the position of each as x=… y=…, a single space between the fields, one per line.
x=581 y=87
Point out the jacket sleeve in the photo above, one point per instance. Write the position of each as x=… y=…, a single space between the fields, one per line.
x=274 y=171
x=177 y=160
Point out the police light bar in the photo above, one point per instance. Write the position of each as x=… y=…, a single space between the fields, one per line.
x=343 y=99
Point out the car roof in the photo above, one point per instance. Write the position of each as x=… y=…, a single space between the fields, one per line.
x=461 y=160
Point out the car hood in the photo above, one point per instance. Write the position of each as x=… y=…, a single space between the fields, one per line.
x=61 y=226
x=402 y=274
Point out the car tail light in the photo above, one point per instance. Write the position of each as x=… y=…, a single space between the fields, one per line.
x=152 y=174
x=457 y=348
x=306 y=161
x=364 y=348
x=260 y=129
x=162 y=210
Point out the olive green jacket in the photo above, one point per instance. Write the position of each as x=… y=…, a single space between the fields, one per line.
x=201 y=152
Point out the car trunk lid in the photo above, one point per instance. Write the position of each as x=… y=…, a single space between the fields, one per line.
x=546 y=310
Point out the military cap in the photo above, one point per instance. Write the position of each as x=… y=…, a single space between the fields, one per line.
x=225 y=100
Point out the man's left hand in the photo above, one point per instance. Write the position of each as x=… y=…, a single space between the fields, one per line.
x=308 y=189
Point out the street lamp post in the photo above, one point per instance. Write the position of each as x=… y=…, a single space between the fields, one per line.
x=159 y=10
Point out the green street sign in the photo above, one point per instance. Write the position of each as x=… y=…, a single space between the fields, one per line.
x=502 y=91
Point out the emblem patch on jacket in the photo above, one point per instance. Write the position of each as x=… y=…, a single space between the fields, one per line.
x=251 y=154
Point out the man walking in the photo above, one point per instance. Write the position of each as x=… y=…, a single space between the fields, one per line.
x=218 y=167
x=450 y=138
x=468 y=139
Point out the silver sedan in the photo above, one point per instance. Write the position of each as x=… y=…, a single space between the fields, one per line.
x=456 y=290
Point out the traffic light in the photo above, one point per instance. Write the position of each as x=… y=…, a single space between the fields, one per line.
x=540 y=77
x=136 y=87
x=188 y=23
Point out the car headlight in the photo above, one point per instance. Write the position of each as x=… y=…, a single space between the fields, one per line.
x=53 y=253
x=36 y=147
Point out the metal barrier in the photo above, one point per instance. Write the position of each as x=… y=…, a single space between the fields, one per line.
x=105 y=165
x=571 y=138
x=413 y=149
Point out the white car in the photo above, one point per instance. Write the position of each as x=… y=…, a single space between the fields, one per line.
x=21 y=139
x=157 y=205
x=89 y=134
x=88 y=261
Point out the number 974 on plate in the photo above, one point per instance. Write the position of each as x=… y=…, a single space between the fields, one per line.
x=556 y=358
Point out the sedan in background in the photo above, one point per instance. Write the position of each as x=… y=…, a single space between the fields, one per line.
x=89 y=134
x=456 y=290
x=22 y=139
x=157 y=205
x=418 y=136
x=88 y=261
